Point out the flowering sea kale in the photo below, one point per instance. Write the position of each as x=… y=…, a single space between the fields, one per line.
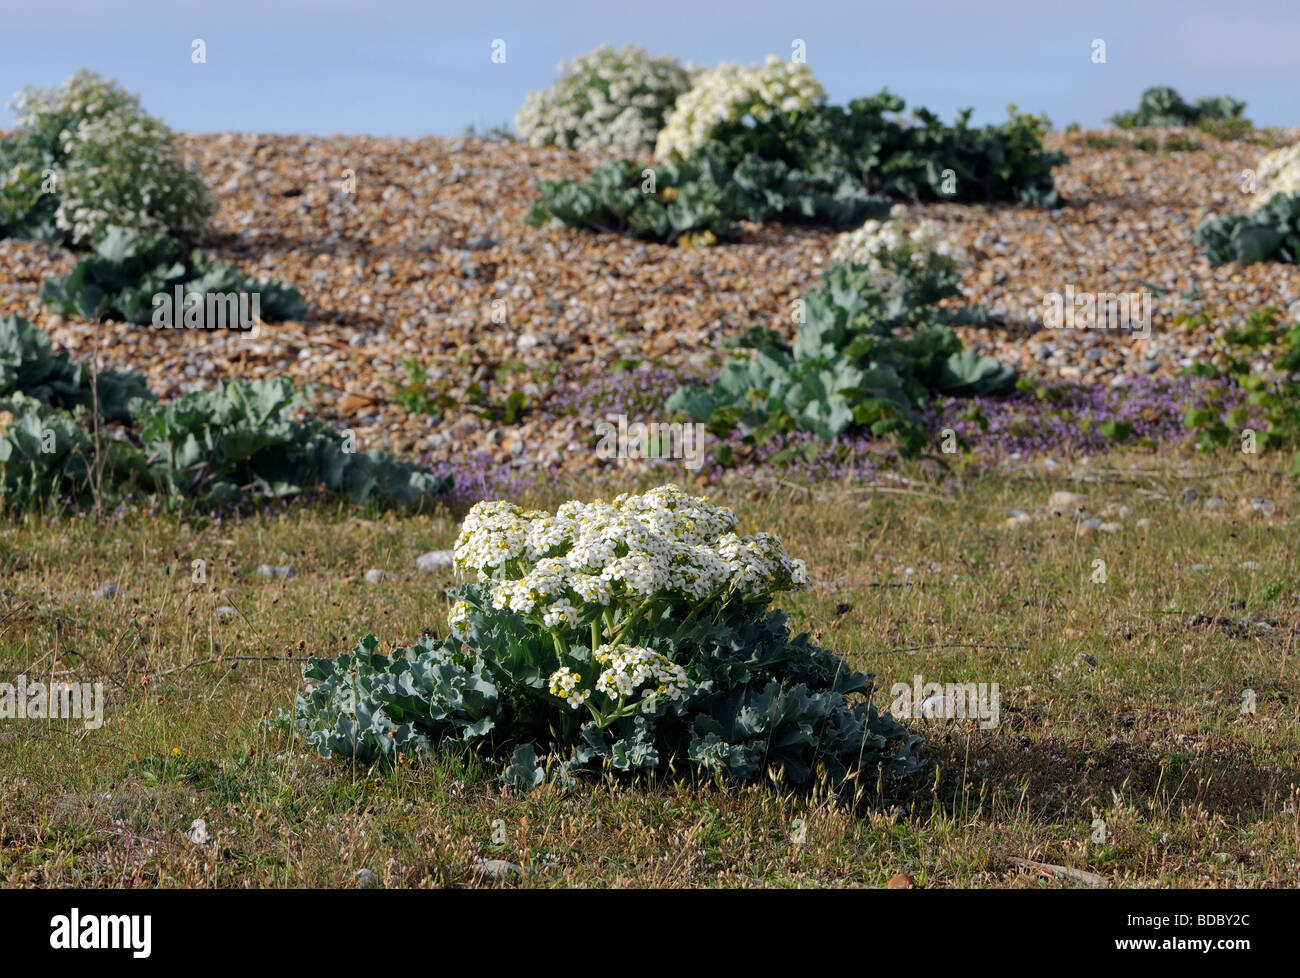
x=906 y=265
x=730 y=93
x=1271 y=231
x=1278 y=173
x=606 y=100
x=109 y=165
x=626 y=633
x=125 y=172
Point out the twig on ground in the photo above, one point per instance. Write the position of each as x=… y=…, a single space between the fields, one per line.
x=1049 y=869
x=957 y=645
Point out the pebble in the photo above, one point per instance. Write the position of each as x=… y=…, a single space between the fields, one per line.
x=1063 y=503
x=375 y=575
x=1257 y=506
x=366 y=879
x=436 y=560
x=269 y=570
x=223 y=612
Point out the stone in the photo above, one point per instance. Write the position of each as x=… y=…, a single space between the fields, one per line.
x=497 y=869
x=436 y=560
x=1064 y=503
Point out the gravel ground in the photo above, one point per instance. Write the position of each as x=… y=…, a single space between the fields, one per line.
x=430 y=259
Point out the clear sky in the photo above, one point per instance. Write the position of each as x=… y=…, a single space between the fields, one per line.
x=400 y=67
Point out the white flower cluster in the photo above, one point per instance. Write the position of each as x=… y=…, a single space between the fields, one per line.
x=599 y=553
x=631 y=667
x=607 y=100
x=729 y=93
x=125 y=171
x=564 y=684
x=118 y=166
x=82 y=98
x=894 y=256
x=1278 y=172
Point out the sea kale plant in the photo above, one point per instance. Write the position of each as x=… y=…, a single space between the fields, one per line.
x=698 y=202
x=678 y=203
x=86 y=158
x=1277 y=173
x=29 y=366
x=632 y=634
x=1271 y=231
x=871 y=142
x=733 y=94
x=607 y=100
x=50 y=456
x=1268 y=233
x=219 y=446
x=1163 y=106
x=758 y=144
x=127 y=271
x=70 y=437
x=871 y=347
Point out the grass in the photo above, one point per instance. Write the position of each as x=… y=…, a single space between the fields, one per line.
x=1122 y=751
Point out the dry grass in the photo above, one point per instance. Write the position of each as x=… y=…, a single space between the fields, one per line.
x=1120 y=702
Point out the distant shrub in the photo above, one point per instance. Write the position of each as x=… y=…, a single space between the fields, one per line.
x=736 y=94
x=606 y=100
x=87 y=158
x=1163 y=106
x=778 y=156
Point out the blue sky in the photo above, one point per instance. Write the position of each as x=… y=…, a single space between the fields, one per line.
x=395 y=67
